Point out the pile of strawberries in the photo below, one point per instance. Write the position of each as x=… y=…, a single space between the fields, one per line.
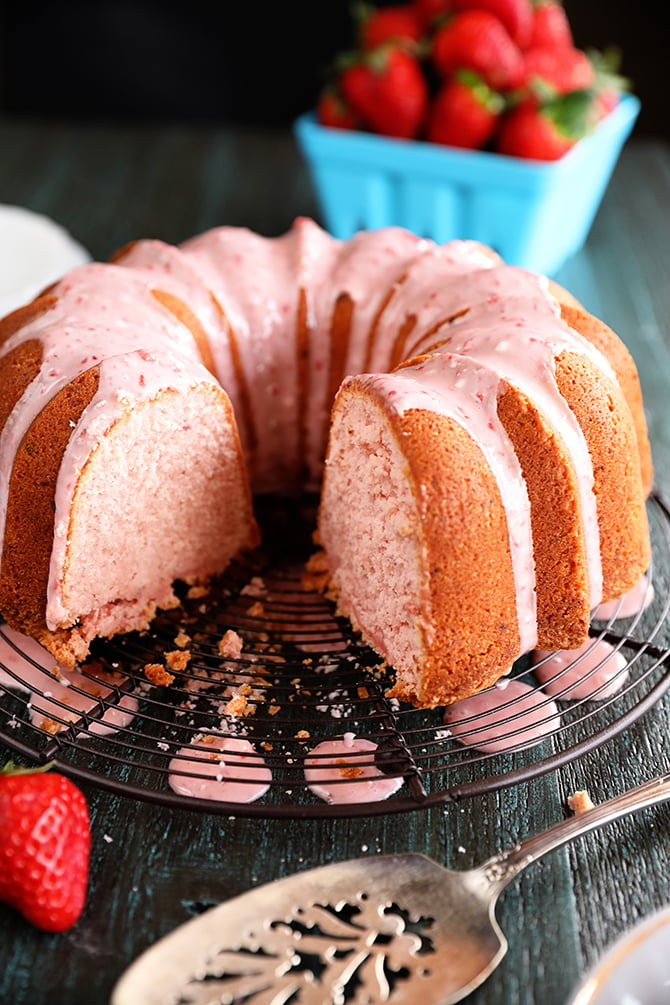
x=500 y=75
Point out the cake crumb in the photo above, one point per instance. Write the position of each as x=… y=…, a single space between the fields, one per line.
x=157 y=674
x=237 y=705
x=580 y=802
x=177 y=659
x=254 y=588
x=195 y=592
x=230 y=646
x=302 y=734
x=50 y=726
x=256 y=610
x=316 y=574
x=182 y=640
x=346 y=770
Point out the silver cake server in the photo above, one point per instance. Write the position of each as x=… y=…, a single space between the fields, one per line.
x=386 y=928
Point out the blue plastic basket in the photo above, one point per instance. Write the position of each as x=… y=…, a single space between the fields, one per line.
x=533 y=214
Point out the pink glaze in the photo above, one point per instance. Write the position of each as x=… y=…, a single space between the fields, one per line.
x=248 y=274
x=434 y=289
x=437 y=306
x=365 y=268
x=487 y=720
x=254 y=280
x=56 y=693
x=233 y=771
x=593 y=672
x=350 y=779
x=634 y=602
x=167 y=269
x=520 y=337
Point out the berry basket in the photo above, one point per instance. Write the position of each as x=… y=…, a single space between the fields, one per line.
x=534 y=214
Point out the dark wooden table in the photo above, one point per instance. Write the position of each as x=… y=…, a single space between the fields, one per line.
x=153 y=867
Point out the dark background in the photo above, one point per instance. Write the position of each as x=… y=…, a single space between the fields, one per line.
x=254 y=62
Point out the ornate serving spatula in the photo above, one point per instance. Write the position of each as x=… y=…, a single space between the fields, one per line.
x=388 y=928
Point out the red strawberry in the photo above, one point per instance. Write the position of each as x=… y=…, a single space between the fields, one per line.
x=44 y=846
x=565 y=70
x=477 y=40
x=516 y=15
x=545 y=131
x=333 y=111
x=464 y=112
x=550 y=28
x=388 y=90
x=604 y=102
x=431 y=12
x=400 y=24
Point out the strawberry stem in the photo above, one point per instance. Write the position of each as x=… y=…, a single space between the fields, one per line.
x=16 y=769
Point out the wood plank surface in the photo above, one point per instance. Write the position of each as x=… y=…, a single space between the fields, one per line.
x=153 y=868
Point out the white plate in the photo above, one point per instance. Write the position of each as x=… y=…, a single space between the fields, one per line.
x=34 y=252
x=635 y=970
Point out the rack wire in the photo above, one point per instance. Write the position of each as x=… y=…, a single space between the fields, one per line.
x=300 y=678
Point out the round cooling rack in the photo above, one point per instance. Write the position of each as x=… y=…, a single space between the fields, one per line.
x=264 y=672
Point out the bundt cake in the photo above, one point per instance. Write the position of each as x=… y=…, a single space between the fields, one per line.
x=487 y=460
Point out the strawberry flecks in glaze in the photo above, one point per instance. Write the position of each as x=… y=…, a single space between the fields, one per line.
x=228 y=770
x=627 y=606
x=60 y=697
x=342 y=771
x=507 y=716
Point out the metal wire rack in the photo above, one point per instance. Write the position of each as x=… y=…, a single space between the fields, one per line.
x=300 y=678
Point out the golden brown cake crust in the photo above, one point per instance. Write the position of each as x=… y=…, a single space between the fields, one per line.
x=19 y=318
x=474 y=636
x=30 y=509
x=621 y=361
x=604 y=417
x=561 y=582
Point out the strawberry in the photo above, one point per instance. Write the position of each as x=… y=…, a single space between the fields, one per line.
x=388 y=90
x=604 y=102
x=464 y=112
x=44 y=846
x=516 y=15
x=545 y=131
x=400 y=24
x=609 y=84
x=432 y=12
x=550 y=28
x=564 y=70
x=477 y=40
x=333 y=111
